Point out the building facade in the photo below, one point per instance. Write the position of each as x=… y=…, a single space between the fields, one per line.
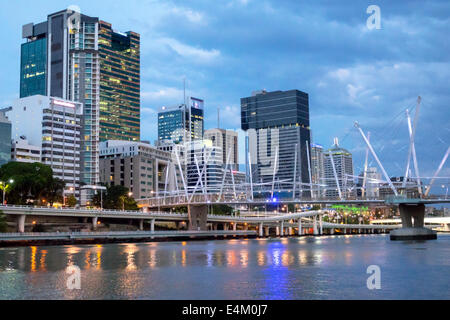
x=338 y=166
x=54 y=126
x=227 y=141
x=5 y=138
x=137 y=166
x=23 y=151
x=278 y=129
x=317 y=168
x=120 y=85
x=182 y=123
x=83 y=60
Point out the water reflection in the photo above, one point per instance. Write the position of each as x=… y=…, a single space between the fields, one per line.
x=33 y=259
x=261 y=269
x=130 y=251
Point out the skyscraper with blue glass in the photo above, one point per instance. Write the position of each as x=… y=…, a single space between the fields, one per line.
x=80 y=58
x=182 y=123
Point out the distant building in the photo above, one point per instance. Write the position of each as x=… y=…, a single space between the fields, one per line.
x=22 y=151
x=199 y=154
x=278 y=128
x=317 y=167
x=343 y=166
x=5 y=138
x=137 y=166
x=372 y=187
x=227 y=141
x=411 y=189
x=54 y=126
x=183 y=123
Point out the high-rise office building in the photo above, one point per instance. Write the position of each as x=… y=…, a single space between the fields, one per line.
x=82 y=59
x=136 y=165
x=227 y=141
x=181 y=123
x=119 y=84
x=33 y=60
x=52 y=125
x=370 y=189
x=5 y=138
x=317 y=168
x=277 y=124
x=338 y=166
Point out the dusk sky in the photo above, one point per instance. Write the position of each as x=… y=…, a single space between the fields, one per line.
x=227 y=49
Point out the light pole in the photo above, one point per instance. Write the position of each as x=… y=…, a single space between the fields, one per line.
x=5 y=188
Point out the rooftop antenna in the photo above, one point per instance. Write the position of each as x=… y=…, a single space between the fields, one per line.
x=336 y=142
x=218 y=117
x=184 y=91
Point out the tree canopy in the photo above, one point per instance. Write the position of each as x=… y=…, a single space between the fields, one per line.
x=33 y=182
x=116 y=197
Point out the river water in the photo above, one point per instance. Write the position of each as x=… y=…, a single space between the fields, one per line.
x=329 y=267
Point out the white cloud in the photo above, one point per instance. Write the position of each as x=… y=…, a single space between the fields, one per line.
x=163 y=94
x=191 y=15
x=195 y=54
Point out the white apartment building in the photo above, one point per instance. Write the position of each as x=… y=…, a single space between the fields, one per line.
x=23 y=151
x=54 y=126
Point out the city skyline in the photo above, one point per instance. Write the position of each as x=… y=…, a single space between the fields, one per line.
x=222 y=66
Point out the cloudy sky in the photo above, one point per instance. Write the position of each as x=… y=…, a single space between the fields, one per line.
x=228 y=48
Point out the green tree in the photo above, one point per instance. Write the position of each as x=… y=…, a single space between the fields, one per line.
x=31 y=181
x=54 y=191
x=117 y=198
x=3 y=224
x=221 y=209
x=71 y=201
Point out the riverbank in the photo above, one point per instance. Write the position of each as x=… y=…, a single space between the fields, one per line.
x=66 y=238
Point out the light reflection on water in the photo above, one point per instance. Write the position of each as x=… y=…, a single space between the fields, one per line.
x=296 y=268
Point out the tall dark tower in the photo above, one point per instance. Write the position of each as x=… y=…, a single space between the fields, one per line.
x=277 y=124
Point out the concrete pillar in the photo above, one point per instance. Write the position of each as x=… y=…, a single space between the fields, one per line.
x=277 y=231
x=331 y=231
x=315 y=226
x=413 y=216
x=198 y=216
x=321 y=224
x=267 y=231
x=152 y=225
x=300 y=227
x=94 y=223
x=21 y=223
x=345 y=231
x=260 y=229
x=141 y=225
x=234 y=226
x=282 y=229
x=225 y=226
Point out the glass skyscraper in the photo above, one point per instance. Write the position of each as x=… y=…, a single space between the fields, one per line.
x=119 y=84
x=83 y=60
x=181 y=123
x=33 y=63
x=277 y=125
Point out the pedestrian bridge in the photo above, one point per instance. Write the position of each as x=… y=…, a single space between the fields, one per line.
x=282 y=222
